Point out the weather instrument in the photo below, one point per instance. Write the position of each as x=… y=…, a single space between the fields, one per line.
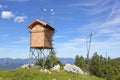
x=41 y=35
x=43 y=13
x=52 y=16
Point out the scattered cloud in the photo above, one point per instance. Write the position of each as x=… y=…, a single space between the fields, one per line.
x=0 y=6
x=20 y=18
x=3 y=6
x=93 y=7
x=58 y=36
x=71 y=48
x=73 y=44
x=115 y=11
x=5 y=35
x=106 y=31
x=7 y=14
x=18 y=0
x=101 y=28
x=109 y=25
x=22 y=40
x=78 y=45
x=88 y=4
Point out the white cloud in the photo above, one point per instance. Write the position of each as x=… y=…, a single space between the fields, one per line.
x=5 y=35
x=86 y=3
x=58 y=36
x=71 y=48
x=115 y=11
x=20 y=18
x=106 y=31
x=93 y=7
x=3 y=6
x=73 y=44
x=105 y=27
x=18 y=0
x=78 y=46
x=0 y=6
x=7 y=14
x=22 y=40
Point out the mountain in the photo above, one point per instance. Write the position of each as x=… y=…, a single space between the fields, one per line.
x=9 y=63
x=67 y=60
x=117 y=59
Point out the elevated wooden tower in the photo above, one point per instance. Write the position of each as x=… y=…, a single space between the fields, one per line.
x=40 y=39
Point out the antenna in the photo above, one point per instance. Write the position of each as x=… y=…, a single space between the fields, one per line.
x=43 y=13
x=88 y=42
x=106 y=56
x=51 y=16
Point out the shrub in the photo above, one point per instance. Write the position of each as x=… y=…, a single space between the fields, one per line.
x=80 y=62
x=51 y=60
x=103 y=67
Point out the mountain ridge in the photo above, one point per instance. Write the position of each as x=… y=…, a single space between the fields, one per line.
x=9 y=63
x=117 y=59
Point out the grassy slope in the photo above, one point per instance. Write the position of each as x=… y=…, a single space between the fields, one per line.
x=24 y=74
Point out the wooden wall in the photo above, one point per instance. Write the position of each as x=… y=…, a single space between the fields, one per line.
x=40 y=37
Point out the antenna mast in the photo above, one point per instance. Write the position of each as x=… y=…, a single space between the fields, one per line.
x=88 y=42
x=106 y=56
x=51 y=16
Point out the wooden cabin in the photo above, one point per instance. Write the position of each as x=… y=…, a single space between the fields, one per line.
x=40 y=35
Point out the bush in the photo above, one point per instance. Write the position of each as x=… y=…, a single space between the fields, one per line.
x=100 y=66
x=80 y=62
x=51 y=60
x=104 y=67
x=40 y=62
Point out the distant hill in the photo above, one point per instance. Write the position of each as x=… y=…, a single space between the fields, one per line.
x=118 y=59
x=8 y=63
x=67 y=60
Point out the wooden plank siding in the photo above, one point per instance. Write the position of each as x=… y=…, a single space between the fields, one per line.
x=40 y=36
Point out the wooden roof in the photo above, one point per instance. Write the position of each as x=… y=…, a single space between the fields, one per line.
x=37 y=21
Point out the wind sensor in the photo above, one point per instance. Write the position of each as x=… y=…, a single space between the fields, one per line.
x=52 y=16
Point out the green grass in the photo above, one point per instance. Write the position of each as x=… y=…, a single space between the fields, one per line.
x=24 y=74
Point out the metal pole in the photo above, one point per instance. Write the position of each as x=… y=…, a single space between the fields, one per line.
x=88 y=42
x=43 y=13
x=51 y=16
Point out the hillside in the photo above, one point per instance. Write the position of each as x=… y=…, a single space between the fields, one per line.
x=24 y=74
x=9 y=63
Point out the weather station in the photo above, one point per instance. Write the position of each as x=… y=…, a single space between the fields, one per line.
x=41 y=35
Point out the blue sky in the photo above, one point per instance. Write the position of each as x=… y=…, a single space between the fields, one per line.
x=74 y=20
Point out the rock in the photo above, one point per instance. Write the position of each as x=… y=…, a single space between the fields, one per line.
x=27 y=66
x=73 y=69
x=53 y=79
x=45 y=71
x=37 y=67
x=56 y=68
x=0 y=78
x=69 y=79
